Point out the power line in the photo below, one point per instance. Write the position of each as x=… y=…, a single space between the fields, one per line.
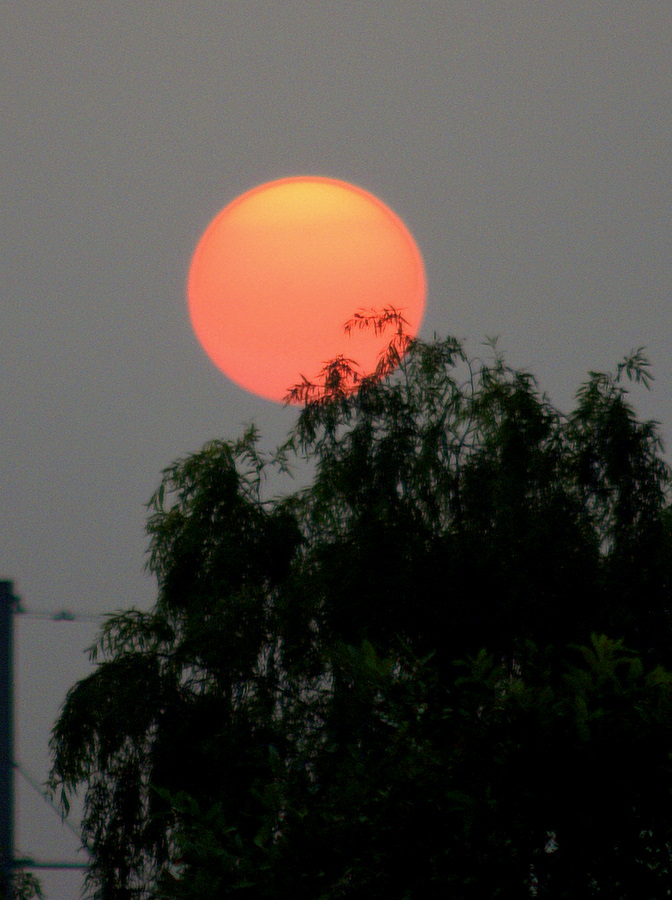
x=27 y=862
x=47 y=799
x=61 y=615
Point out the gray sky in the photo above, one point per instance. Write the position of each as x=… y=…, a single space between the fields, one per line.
x=525 y=144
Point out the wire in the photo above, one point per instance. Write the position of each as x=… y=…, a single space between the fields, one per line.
x=47 y=799
x=62 y=615
x=27 y=862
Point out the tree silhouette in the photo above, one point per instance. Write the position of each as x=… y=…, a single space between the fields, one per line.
x=440 y=669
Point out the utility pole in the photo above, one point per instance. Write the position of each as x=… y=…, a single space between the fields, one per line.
x=7 y=606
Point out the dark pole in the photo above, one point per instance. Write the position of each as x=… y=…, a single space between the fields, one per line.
x=7 y=605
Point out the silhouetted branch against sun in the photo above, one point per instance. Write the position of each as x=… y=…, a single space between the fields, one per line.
x=336 y=380
x=341 y=376
x=379 y=321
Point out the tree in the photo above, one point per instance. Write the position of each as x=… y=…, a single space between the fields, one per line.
x=24 y=886
x=451 y=649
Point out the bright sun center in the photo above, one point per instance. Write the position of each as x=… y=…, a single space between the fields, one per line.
x=282 y=268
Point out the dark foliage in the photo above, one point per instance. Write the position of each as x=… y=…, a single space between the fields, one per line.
x=440 y=670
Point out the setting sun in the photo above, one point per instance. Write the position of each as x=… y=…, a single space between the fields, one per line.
x=282 y=268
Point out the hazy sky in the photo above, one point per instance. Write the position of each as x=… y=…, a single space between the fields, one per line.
x=525 y=144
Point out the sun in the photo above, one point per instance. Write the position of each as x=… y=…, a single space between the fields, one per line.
x=282 y=268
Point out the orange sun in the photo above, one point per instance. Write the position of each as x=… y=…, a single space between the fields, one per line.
x=282 y=268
